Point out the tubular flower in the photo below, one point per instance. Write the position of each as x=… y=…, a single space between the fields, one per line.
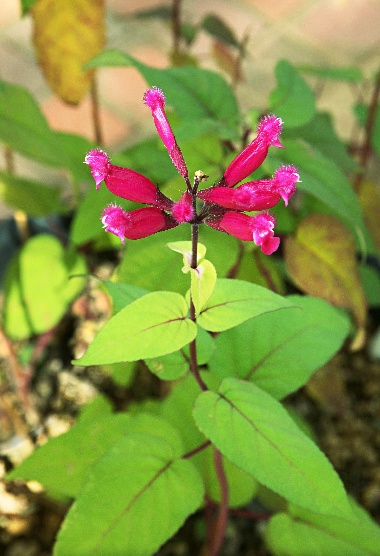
x=268 y=132
x=259 y=228
x=154 y=98
x=137 y=224
x=223 y=205
x=125 y=183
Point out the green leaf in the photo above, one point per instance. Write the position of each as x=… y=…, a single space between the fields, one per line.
x=361 y=112
x=45 y=268
x=242 y=487
x=255 y=432
x=194 y=93
x=360 y=532
x=222 y=249
x=139 y=481
x=26 y=5
x=123 y=294
x=150 y=326
x=44 y=295
x=321 y=135
x=161 y=12
x=353 y=75
x=287 y=537
x=149 y=158
x=63 y=463
x=235 y=301
x=271 y=357
x=323 y=179
x=292 y=100
x=122 y=373
x=16 y=319
x=203 y=278
x=175 y=365
x=147 y=263
x=24 y=128
x=73 y=149
x=216 y=27
x=35 y=198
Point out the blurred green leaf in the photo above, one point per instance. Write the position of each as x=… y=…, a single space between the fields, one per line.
x=33 y=197
x=361 y=112
x=353 y=75
x=292 y=100
x=217 y=28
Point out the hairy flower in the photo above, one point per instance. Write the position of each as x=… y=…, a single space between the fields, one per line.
x=268 y=132
x=223 y=205
x=154 y=98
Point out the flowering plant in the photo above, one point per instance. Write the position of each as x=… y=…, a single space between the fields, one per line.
x=223 y=207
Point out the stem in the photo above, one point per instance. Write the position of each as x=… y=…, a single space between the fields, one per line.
x=366 y=148
x=98 y=132
x=176 y=26
x=197 y=450
x=221 y=521
x=9 y=160
x=193 y=345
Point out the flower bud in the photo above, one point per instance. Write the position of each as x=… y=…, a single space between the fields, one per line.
x=183 y=210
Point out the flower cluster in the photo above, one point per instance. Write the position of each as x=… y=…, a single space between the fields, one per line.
x=223 y=205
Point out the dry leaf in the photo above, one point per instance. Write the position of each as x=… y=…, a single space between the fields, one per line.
x=66 y=34
x=322 y=262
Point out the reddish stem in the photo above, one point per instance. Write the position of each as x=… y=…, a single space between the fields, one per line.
x=222 y=518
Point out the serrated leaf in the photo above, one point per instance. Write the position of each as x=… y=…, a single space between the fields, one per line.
x=216 y=27
x=255 y=432
x=235 y=301
x=187 y=89
x=321 y=259
x=35 y=198
x=139 y=480
x=261 y=349
x=150 y=326
x=292 y=100
x=66 y=35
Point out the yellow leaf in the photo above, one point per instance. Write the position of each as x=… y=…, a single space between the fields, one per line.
x=66 y=34
x=321 y=261
x=369 y=196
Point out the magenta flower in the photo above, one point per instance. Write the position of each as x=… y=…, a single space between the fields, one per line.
x=137 y=224
x=223 y=206
x=155 y=99
x=268 y=132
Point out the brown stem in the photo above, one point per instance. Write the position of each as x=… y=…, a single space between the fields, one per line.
x=368 y=130
x=222 y=518
x=176 y=26
x=98 y=133
x=9 y=160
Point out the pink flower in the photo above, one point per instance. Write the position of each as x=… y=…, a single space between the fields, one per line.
x=154 y=98
x=125 y=183
x=284 y=182
x=183 y=210
x=254 y=154
x=137 y=224
x=259 y=228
